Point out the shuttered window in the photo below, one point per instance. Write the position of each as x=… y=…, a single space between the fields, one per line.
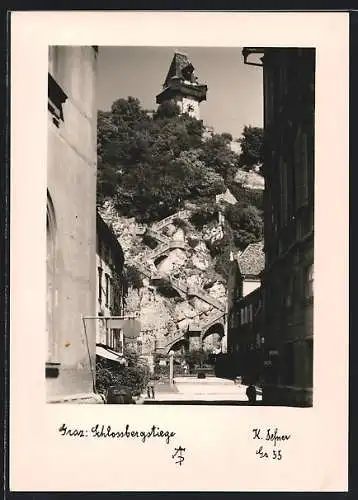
x=301 y=168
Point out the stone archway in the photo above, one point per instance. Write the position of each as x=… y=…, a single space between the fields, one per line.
x=159 y=259
x=179 y=345
x=211 y=338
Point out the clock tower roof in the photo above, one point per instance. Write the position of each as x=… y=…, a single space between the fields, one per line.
x=181 y=80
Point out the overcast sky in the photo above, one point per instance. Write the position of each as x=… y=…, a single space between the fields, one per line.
x=234 y=97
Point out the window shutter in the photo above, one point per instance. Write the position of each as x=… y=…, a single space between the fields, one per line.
x=301 y=165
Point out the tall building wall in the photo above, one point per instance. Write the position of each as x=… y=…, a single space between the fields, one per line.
x=72 y=121
x=289 y=79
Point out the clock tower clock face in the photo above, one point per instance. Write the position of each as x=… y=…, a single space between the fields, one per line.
x=191 y=107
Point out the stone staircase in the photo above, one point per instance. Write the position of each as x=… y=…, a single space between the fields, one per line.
x=206 y=297
x=149 y=270
x=157 y=226
x=165 y=247
x=209 y=321
x=168 y=244
x=156 y=235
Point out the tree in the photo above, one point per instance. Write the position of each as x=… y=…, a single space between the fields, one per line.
x=200 y=181
x=216 y=154
x=128 y=111
x=246 y=223
x=133 y=277
x=196 y=357
x=167 y=109
x=252 y=147
x=143 y=159
x=227 y=137
x=204 y=214
x=150 y=166
x=246 y=196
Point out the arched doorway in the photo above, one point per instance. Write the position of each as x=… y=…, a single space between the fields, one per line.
x=211 y=339
x=180 y=346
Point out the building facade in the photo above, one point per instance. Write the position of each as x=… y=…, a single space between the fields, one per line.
x=111 y=285
x=245 y=335
x=181 y=86
x=289 y=103
x=71 y=224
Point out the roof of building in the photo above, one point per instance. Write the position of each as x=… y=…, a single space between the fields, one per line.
x=181 y=79
x=252 y=260
x=106 y=234
x=179 y=63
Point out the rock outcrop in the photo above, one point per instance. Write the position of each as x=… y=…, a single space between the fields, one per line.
x=180 y=286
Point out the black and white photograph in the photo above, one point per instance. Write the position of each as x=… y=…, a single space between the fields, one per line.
x=180 y=225
x=179 y=251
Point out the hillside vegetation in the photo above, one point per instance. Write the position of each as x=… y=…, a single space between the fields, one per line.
x=151 y=166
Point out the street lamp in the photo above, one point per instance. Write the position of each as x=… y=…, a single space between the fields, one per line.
x=171 y=367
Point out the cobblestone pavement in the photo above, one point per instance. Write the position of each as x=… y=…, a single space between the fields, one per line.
x=201 y=390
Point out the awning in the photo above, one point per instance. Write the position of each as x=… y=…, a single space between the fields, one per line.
x=109 y=354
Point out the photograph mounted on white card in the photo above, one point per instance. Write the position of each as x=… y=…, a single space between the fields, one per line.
x=180 y=220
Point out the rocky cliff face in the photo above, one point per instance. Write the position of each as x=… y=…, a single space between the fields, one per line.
x=186 y=290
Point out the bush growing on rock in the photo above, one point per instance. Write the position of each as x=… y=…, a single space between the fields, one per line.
x=204 y=215
x=133 y=277
x=246 y=224
x=181 y=223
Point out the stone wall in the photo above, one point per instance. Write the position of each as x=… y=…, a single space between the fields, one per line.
x=163 y=317
x=71 y=183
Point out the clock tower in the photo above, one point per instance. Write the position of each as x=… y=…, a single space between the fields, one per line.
x=181 y=86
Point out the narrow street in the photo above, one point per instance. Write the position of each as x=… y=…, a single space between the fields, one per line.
x=211 y=391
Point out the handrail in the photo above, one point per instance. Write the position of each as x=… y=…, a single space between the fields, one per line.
x=156 y=235
x=164 y=247
x=164 y=222
x=202 y=294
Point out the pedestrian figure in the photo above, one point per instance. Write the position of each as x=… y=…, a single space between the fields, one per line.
x=251 y=394
x=150 y=389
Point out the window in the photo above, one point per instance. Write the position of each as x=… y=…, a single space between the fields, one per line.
x=288 y=297
x=289 y=364
x=309 y=282
x=118 y=340
x=269 y=94
x=100 y=272
x=283 y=189
x=283 y=80
x=301 y=169
x=108 y=282
x=112 y=293
x=309 y=358
x=105 y=253
x=56 y=100
x=250 y=313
